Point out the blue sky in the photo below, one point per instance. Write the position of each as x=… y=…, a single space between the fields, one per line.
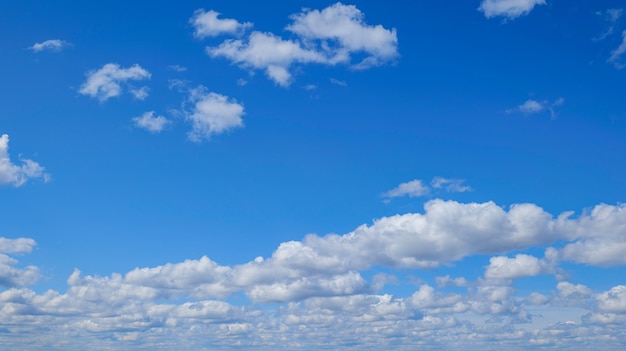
x=234 y=175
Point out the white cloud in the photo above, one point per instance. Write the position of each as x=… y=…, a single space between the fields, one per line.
x=150 y=122
x=17 y=175
x=328 y=37
x=10 y=275
x=508 y=8
x=177 y=68
x=106 y=82
x=531 y=106
x=450 y=185
x=616 y=55
x=266 y=51
x=345 y=24
x=413 y=188
x=139 y=93
x=212 y=114
x=522 y=265
x=611 y=16
x=53 y=45
x=613 y=300
x=338 y=82
x=207 y=24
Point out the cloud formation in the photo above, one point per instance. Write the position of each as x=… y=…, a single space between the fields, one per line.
x=531 y=107
x=108 y=81
x=17 y=175
x=616 y=55
x=150 y=122
x=207 y=24
x=212 y=113
x=331 y=36
x=416 y=188
x=508 y=8
x=52 y=45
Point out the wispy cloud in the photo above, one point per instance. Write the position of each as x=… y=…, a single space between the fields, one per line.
x=330 y=37
x=52 y=45
x=107 y=81
x=531 y=106
x=17 y=175
x=177 y=68
x=150 y=122
x=416 y=188
x=508 y=8
x=610 y=16
x=616 y=55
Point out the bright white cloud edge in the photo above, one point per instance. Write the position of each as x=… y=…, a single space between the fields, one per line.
x=109 y=81
x=52 y=45
x=14 y=174
x=319 y=278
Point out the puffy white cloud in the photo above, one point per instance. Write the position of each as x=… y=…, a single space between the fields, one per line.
x=345 y=24
x=329 y=37
x=617 y=54
x=212 y=113
x=106 y=82
x=150 y=122
x=508 y=8
x=269 y=52
x=10 y=275
x=17 y=175
x=19 y=245
x=53 y=45
x=613 y=300
x=502 y=267
x=207 y=24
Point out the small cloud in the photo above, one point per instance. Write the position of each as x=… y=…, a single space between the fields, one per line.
x=106 y=82
x=414 y=188
x=610 y=16
x=139 y=94
x=616 y=55
x=206 y=24
x=150 y=122
x=17 y=175
x=53 y=45
x=450 y=185
x=338 y=82
x=310 y=87
x=510 y=9
x=177 y=68
x=531 y=106
x=241 y=82
x=212 y=113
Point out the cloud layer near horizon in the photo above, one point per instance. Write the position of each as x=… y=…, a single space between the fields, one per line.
x=321 y=280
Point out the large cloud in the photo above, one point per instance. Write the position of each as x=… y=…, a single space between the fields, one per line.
x=13 y=174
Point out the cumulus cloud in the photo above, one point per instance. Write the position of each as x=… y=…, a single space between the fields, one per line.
x=17 y=175
x=107 y=81
x=207 y=24
x=331 y=36
x=10 y=275
x=52 y=45
x=150 y=122
x=616 y=55
x=531 y=106
x=508 y=8
x=212 y=113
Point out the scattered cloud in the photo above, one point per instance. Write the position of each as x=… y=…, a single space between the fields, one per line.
x=317 y=283
x=52 y=45
x=508 y=8
x=212 y=114
x=150 y=122
x=331 y=36
x=242 y=82
x=177 y=68
x=207 y=24
x=531 y=107
x=616 y=55
x=413 y=188
x=107 y=82
x=416 y=188
x=139 y=93
x=610 y=16
x=17 y=175
x=338 y=82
